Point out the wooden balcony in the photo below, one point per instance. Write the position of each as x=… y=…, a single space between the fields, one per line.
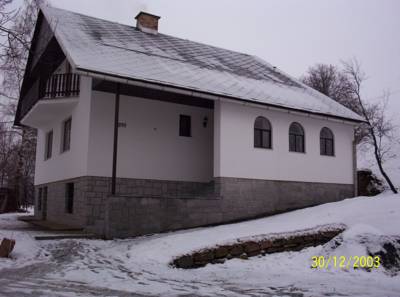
x=62 y=85
x=57 y=86
x=44 y=100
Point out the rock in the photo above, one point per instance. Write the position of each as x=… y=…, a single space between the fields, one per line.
x=236 y=250
x=243 y=257
x=6 y=247
x=369 y=184
x=203 y=257
x=184 y=262
x=218 y=261
x=265 y=244
x=252 y=248
x=273 y=249
x=278 y=242
x=309 y=238
x=290 y=246
x=221 y=252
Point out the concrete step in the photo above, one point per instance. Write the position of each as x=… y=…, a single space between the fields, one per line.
x=66 y=236
x=48 y=225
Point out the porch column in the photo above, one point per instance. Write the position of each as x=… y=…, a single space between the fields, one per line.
x=217 y=138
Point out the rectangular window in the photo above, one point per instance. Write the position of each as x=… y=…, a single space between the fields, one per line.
x=185 y=126
x=39 y=202
x=69 y=198
x=66 y=135
x=49 y=145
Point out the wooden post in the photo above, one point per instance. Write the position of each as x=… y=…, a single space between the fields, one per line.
x=115 y=149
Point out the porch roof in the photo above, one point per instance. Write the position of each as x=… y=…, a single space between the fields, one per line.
x=98 y=46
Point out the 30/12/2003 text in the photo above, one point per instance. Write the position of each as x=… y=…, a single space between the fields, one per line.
x=355 y=262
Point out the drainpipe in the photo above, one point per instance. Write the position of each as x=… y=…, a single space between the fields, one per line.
x=115 y=149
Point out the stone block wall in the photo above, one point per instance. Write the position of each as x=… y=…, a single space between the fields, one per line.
x=234 y=199
x=56 y=203
x=151 y=206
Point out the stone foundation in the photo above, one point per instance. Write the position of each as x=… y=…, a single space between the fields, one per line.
x=151 y=206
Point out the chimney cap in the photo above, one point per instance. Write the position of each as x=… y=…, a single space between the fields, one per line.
x=148 y=14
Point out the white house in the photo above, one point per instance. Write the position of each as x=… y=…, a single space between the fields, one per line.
x=141 y=132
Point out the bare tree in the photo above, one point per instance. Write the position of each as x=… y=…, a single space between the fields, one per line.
x=344 y=86
x=332 y=82
x=380 y=128
x=16 y=29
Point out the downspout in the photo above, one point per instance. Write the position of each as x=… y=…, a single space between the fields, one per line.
x=355 y=173
x=115 y=148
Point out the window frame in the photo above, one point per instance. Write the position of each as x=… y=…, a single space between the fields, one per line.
x=259 y=132
x=48 y=149
x=183 y=130
x=64 y=147
x=296 y=139
x=325 y=140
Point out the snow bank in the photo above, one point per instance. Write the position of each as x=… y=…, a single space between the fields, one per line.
x=141 y=265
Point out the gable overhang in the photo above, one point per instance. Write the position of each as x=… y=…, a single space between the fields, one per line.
x=55 y=38
x=207 y=95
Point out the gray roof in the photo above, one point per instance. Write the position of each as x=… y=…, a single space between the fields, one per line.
x=115 y=49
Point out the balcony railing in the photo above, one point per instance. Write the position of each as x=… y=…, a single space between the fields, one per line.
x=57 y=86
x=62 y=85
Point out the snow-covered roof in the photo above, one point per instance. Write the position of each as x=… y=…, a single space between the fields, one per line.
x=114 y=49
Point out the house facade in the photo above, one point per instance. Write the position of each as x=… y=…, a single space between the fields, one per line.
x=140 y=132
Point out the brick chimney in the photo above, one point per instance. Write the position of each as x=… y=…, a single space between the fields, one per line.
x=147 y=22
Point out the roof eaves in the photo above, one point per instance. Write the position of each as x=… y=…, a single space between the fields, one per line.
x=204 y=94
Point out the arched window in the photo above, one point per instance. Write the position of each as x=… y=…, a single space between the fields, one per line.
x=262 y=133
x=296 y=138
x=326 y=142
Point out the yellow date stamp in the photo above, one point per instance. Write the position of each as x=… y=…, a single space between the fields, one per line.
x=343 y=262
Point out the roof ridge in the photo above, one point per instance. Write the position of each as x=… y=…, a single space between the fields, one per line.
x=159 y=33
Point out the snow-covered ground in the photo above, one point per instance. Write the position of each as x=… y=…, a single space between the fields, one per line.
x=140 y=266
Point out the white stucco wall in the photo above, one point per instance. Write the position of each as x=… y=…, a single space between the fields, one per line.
x=235 y=155
x=149 y=146
x=72 y=163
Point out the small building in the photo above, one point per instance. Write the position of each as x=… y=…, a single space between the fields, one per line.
x=141 y=132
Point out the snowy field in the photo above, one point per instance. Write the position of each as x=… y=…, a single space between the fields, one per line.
x=140 y=266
